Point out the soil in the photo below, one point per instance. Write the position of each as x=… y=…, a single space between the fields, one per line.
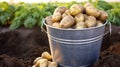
x=21 y=45
x=110 y=51
x=18 y=48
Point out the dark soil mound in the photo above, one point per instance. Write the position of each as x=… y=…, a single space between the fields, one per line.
x=111 y=60
x=6 y=61
x=22 y=44
x=110 y=55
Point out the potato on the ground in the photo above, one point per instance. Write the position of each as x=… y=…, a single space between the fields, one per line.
x=52 y=64
x=56 y=17
x=79 y=17
x=60 y=9
x=90 y=21
x=91 y=11
x=80 y=25
x=103 y=16
x=99 y=23
x=38 y=58
x=33 y=66
x=88 y=4
x=67 y=22
x=76 y=9
x=56 y=24
x=49 y=20
x=46 y=55
x=66 y=13
x=41 y=63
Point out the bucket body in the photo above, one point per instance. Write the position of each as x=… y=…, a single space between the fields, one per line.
x=75 y=47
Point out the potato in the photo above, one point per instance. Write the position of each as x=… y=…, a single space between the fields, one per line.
x=91 y=11
x=80 y=25
x=88 y=4
x=79 y=17
x=56 y=24
x=46 y=55
x=90 y=21
x=99 y=23
x=49 y=20
x=33 y=66
x=60 y=9
x=56 y=17
x=38 y=58
x=64 y=15
x=67 y=13
x=103 y=16
x=41 y=63
x=67 y=22
x=76 y=9
x=52 y=64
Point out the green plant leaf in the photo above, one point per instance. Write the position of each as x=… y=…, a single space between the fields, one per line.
x=30 y=22
x=105 y=5
x=2 y=19
x=16 y=23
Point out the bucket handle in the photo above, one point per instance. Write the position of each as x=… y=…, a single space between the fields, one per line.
x=42 y=29
x=110 y=29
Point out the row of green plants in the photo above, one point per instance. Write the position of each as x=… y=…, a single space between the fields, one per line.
x=30 y=15
x=22 y=14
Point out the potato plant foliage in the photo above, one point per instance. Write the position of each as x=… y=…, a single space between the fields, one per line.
x=30 y=15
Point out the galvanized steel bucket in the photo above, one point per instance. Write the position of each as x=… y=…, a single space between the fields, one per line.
x=75 y=47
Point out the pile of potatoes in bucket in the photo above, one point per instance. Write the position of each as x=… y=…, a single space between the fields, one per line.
x=77 y=17
x=44 y=61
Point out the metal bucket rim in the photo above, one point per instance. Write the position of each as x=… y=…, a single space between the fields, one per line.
x=74 y=29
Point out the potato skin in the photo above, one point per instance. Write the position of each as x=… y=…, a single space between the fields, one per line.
x=33 y=66
x=67 y=22
x=41 y=63
x=52 y=64
x=35 y=61
x=99 y=23
x=103 y=16
x=76 y=9
x=79 y=17
x=66 y=13
x=91 y=11
x=90 y=21
x=46 y=55
x=49 y=20
x=60 y=9
x=56 y=17
x=80 y=25
x=56 y=24
x=87 y=5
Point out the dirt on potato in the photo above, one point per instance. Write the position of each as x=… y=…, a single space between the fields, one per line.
x=18 y=48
